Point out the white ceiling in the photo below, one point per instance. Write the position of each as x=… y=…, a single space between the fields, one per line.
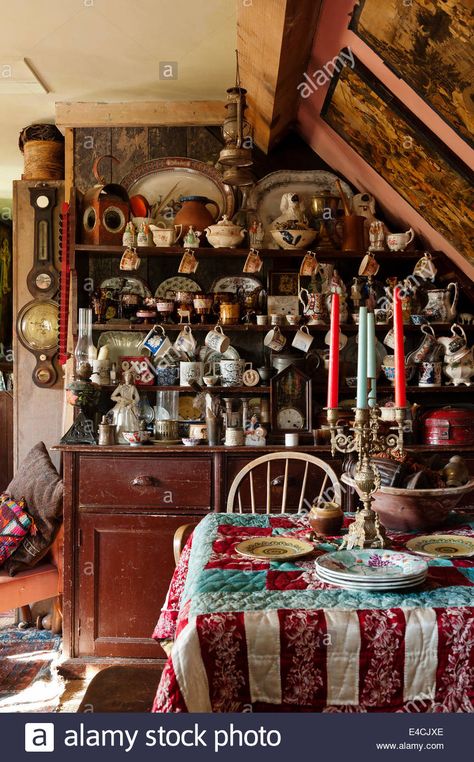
x=110 y=50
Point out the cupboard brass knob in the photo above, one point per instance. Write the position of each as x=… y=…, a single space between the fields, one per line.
x=144 y=481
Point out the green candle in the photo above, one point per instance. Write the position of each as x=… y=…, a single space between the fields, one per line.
x=362 y=360
x=371 y=361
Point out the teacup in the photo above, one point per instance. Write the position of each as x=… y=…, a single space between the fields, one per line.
x=382 y=316
x=369 y=266
x=192 y=371
x=210 y=380
x=262 y=319
x=275 y=339
x=399 y=241
x=418 y=319
x=135 y=438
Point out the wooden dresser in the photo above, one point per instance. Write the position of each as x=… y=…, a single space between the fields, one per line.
x=122 y=506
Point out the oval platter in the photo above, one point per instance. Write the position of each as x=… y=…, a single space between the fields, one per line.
x=274 y=548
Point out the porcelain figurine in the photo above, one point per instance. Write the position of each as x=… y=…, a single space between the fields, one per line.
x=461 y=369
x=129 y=235
x=377 y=236
x=143 y=237
x=256 y=234
x=441 y=304
x=225 y=234
x=191 y=239
x=455 y=473
x=124 y=413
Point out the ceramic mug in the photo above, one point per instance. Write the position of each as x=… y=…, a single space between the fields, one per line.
x=232 y=371
x=382 y=316
x=275 y=340
x=185 y=341
x=369 y=266
x=262 y=319
x=192 y=371
x=158 y=343
x=302 y=339
x=217 y=340
x=234 y=437
x=291 y=440
x=276 y=319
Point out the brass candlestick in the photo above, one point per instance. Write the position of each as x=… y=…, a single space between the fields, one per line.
x=366 y=531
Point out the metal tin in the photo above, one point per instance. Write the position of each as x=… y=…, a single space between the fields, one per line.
x=449 y=426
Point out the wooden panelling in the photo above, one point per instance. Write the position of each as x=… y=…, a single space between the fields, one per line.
x=139 y=113
x=88 y=144
x=130 y=146
x=203 y=145
x=167 y=141
x=6 y=437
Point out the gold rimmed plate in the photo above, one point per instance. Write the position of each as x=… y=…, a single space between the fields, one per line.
x=274 y=548
x=442 y=545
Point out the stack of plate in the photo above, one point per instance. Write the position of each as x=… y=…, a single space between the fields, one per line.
x=371 y=569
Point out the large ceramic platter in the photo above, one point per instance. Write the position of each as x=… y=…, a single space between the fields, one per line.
x=123 y=343
x=231 y=283
x=274 y=548
x=165 y=180
x=177 y=283
x=127 y=284
x=266 y=195
x=442 y=545
x=369 y=581
x=353 y=565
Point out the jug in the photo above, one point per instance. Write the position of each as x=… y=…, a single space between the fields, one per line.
x=194 y=212
x=313 y=305
x=440 y=307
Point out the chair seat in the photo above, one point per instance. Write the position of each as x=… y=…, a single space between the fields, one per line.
x=32 y=585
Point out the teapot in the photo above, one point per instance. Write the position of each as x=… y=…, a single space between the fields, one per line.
x=225 y=233
x=440 y=307
x=460 y=367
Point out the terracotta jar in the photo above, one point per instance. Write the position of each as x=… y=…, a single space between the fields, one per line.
x=194 y=212
x=326 y=519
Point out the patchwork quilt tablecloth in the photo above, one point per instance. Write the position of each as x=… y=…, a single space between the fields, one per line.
x=269 y=636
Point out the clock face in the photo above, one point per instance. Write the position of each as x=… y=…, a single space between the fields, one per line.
x=43 y=281
x=42 y=202
x=290 y=418
x=38 y=326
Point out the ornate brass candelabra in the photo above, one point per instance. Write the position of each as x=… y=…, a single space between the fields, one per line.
x=366 y=531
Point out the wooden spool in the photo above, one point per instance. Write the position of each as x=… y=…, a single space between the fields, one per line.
x=44 y=160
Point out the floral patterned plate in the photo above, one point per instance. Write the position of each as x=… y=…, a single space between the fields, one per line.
x=177 y=283
x=442 y=545
x=274 y=548
x=371 y=563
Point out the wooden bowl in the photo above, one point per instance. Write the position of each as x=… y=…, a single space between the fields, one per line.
x=409 y=510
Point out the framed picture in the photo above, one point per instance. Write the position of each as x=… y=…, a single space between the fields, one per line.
x=404 y=152
x=429 y=46
x=283 y=283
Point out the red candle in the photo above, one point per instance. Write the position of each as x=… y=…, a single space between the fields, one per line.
x=400 y=382
x=333 y=380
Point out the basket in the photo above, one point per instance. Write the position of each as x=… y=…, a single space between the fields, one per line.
x=42 y=146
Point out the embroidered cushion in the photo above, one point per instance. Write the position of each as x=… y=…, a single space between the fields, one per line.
x=38 y=482
x=14 y=525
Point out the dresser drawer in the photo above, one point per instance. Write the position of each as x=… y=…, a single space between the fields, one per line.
x=167 y=483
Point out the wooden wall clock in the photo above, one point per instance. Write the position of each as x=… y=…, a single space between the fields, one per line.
x=291 y=401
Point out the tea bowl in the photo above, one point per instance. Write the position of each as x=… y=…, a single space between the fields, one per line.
x=190 y=441
x=136 y=438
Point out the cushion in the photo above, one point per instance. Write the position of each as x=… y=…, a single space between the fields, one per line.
x=14 y=526
x=38 y=482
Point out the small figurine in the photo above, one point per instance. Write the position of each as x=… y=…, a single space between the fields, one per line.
x=255 y=434
x=143 y=238
x=124 y=413
x=256 y=234
x=377 y=236
x=191 y=239
x=356 y=293
x=129 y=235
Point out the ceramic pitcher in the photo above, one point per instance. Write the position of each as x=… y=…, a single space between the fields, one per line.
x=313 y=305
x=194 y=212
x=441 y=304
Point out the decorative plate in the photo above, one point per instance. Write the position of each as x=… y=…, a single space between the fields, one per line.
x=167 y=179
x=370 y=581
x=250 y=377
x=231 y=283
x=372 y=563
x=442 y=545
x=177 y=283
x=186 y=409
x=266 y=194
x=127 y=284
x=274 y=548
x=122 y=343
x=372 y=585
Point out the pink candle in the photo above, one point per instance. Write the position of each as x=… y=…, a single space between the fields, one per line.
x=333 y=380
x=400 y=381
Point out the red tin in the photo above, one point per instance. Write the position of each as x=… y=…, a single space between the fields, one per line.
x=449 y=426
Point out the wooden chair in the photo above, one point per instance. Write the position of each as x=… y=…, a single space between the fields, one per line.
x=291 y=491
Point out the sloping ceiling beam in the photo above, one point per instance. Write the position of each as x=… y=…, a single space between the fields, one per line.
x=274 y=39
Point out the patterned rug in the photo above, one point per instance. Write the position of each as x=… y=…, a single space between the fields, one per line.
x=28 y=678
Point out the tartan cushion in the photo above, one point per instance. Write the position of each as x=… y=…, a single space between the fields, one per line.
x=14 y=525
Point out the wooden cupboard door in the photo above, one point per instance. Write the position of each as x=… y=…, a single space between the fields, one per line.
x=124 y=567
